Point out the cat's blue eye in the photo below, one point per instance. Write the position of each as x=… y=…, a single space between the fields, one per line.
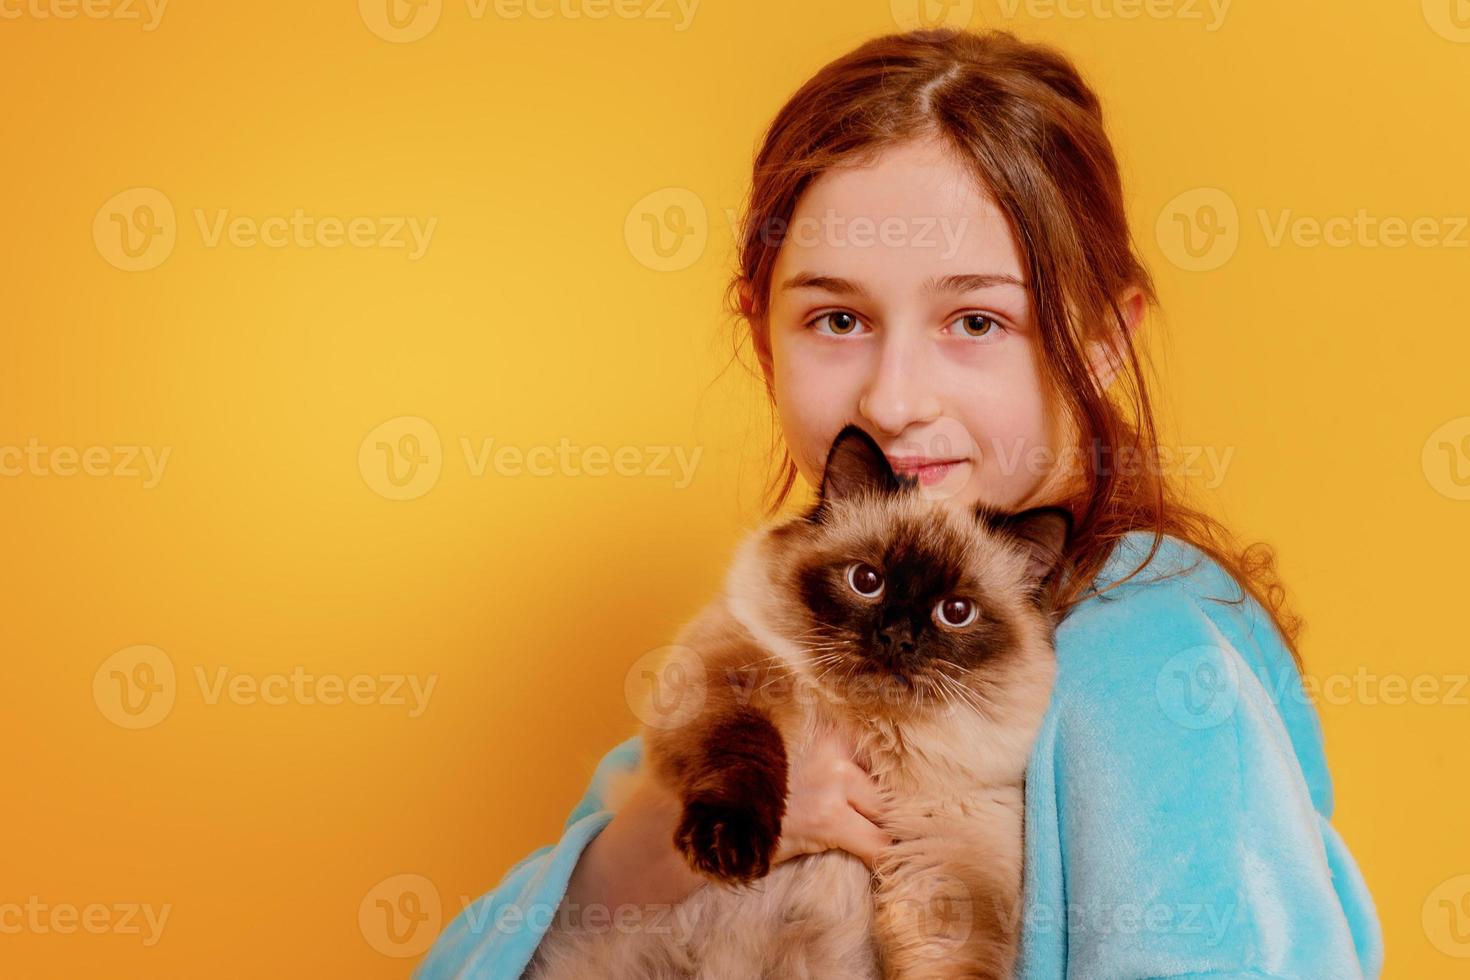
x=840 y=322
x=865 y=580
x=977 y=326
x=955 y=612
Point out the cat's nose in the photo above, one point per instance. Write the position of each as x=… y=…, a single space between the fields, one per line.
x=897 y=639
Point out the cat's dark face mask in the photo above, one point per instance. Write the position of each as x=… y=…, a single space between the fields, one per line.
x=907 y=590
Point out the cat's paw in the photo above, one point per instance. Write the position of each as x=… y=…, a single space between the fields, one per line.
x=733 y=842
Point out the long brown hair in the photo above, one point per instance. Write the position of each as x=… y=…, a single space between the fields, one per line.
x=1032 y=130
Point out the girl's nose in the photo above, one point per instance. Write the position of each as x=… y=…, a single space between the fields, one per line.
x=902 y=390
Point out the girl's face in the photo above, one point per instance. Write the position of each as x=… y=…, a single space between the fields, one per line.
x=899 y=303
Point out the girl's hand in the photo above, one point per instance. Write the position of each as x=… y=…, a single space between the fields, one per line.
x=831 y=802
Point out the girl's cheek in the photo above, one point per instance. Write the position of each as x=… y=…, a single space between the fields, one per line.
x=1013 y=443
x=806 y=416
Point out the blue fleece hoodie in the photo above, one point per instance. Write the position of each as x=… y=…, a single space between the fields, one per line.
x=1177 y=805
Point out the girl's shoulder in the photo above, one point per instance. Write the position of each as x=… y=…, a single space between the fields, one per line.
x=1180 y=652
x=1164 y=596
x=1180 y=760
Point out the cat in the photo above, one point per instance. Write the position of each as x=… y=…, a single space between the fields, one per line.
x=921 y=631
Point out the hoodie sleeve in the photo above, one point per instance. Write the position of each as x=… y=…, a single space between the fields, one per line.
x=497 y=934
x=1174 y=831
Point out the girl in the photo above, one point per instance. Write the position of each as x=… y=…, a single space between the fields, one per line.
x=936 y=250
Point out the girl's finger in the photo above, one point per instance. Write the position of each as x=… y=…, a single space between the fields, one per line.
x=864 y=793
x=859 y=836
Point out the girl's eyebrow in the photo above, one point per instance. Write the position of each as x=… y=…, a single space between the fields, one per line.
x=965 y=282
x=830 y=284
x=960 y=283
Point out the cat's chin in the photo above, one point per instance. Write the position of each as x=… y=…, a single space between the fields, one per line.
x=901 y=681
x=886 y=688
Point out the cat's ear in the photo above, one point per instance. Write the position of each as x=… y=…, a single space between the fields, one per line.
x=1042 y=531
x=855 y=465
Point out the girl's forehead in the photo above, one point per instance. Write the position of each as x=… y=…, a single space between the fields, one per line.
x=913 y=210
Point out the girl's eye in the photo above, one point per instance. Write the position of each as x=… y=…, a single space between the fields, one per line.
x=864 y=579
x=955 y=612
x=842 y=323
x=977 y=325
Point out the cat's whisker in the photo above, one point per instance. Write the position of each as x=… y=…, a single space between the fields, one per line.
x=949 y=698
x=765 y=660
x=816 y=648
x=956 y=700
x=837 y=664
x=968 y=695
x=972 y=696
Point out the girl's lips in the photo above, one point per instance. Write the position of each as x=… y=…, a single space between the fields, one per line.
x=928 y=474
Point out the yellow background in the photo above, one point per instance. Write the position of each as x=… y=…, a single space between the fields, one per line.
x=539 y=314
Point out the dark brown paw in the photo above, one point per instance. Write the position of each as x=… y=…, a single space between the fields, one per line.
x=728 y=841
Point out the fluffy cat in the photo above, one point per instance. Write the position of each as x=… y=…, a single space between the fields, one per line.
x=920 y=631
